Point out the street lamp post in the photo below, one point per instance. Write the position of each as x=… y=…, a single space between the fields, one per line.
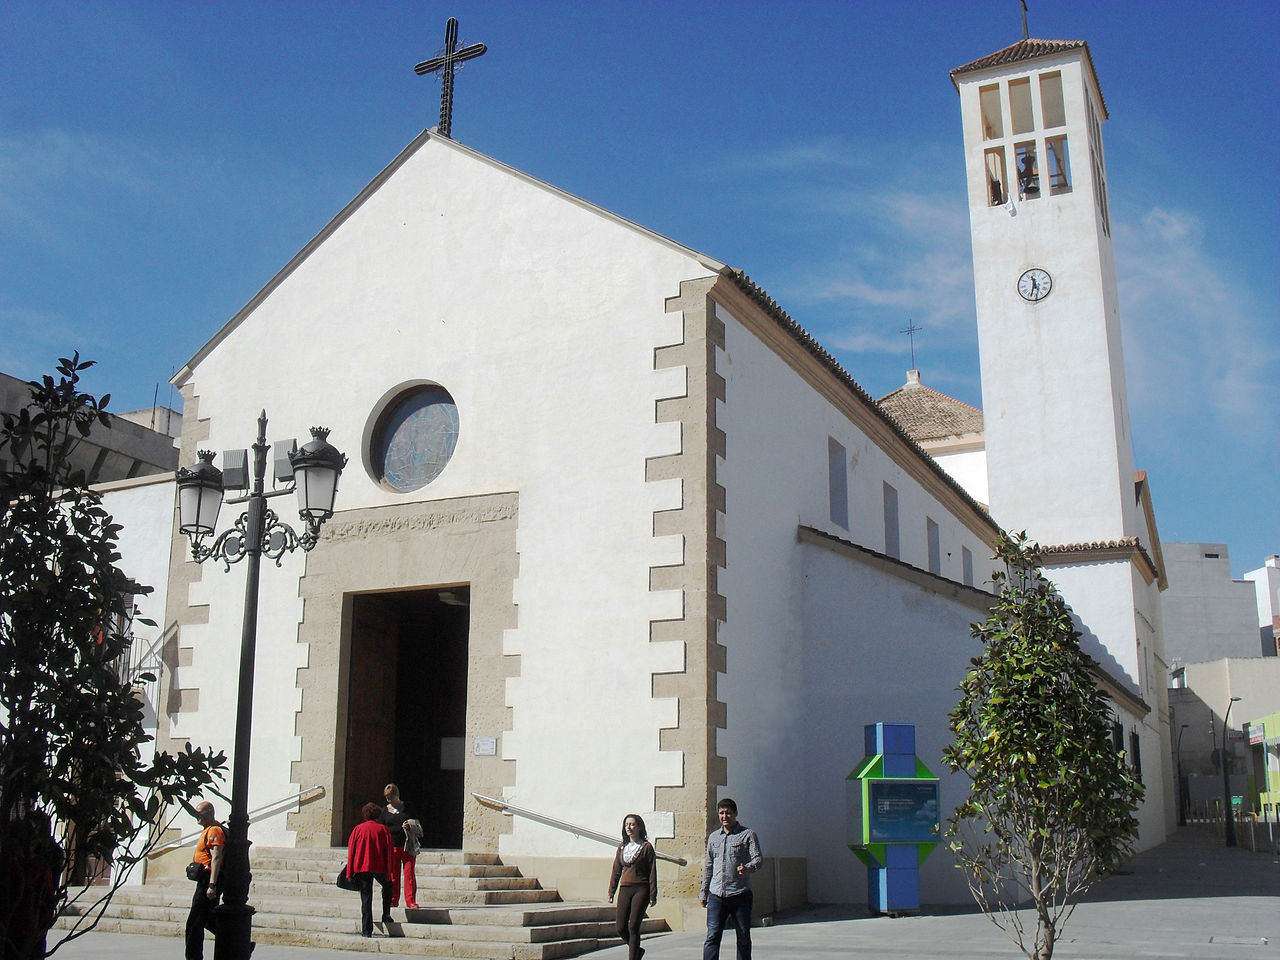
x=1228 y=815
x=315 y=470
x=1182 y=789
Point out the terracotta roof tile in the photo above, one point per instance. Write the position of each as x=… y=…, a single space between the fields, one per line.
x=1029 y=50
x=927 y=414
x=1124 y=543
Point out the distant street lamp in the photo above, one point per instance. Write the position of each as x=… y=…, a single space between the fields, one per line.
x=1228 y=813
x=314 y=470
x=1182 y=789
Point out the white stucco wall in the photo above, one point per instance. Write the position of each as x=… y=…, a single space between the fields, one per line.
x=875 y=648
x=540 y=317
x=1207 y=614
x=969 y=469
x=780 y=606
x=144 y=509
x=1266 y=582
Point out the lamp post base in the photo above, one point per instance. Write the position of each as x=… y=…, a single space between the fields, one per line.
x=233 y=936
x=234 y=939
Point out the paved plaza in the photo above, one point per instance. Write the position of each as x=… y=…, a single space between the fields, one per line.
x=1191 y=897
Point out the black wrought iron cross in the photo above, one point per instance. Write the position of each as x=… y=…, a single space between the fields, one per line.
x=446 y=64
x=911 y=332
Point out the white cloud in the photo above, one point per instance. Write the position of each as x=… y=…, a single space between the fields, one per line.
x=870 y=249
x=805 y=159
x=1172 y=227
x=46 y=167
x=1200 y=339
x=33 y=337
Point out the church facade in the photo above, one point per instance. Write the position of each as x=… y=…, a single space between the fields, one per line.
x=616 y=535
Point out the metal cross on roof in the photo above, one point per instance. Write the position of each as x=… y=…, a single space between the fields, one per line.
x=911 y=332
x=446 y=63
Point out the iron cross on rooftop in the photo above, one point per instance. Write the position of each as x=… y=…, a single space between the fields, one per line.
x=446 y=64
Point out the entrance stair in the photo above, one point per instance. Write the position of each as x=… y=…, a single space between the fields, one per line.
x=469 y=905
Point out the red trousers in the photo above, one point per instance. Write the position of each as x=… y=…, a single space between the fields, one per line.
x=399 y=858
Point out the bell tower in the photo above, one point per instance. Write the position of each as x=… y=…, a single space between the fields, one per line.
x=1058 y=446
x=1059 y=452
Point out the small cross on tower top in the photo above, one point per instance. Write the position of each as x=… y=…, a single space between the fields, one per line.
x=911 y=332
x=446 y=63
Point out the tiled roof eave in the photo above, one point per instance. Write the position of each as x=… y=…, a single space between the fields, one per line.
x=1030 y=49
x=1124 y=548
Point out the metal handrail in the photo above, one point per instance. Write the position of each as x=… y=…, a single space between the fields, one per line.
x=264 y=812
x=510 y=809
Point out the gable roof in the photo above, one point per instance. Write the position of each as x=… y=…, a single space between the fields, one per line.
x=925 y=414
x=184 y=373
x=1028 y=50
x=737 y=277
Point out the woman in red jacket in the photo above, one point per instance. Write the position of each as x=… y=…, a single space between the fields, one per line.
x=635 y=879
x=370 y=858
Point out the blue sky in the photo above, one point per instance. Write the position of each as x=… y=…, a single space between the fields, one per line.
x=160 y=161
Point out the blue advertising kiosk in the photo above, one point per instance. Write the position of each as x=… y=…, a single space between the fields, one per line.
x=893 y=816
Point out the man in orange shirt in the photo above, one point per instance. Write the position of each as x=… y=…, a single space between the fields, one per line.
x=208 y=854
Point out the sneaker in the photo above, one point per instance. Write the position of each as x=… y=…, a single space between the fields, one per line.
x=411 y=906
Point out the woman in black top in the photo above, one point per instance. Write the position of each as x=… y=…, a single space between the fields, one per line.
x=635 y=879
x=397 y=812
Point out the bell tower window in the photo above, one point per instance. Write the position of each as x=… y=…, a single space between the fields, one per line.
x=1052 y=111
x=1055 y=149
x=1020 y=105
x=992 y=115
x=1028 y=172
x=996 y=191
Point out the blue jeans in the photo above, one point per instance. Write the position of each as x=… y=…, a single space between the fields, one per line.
x=735 y=910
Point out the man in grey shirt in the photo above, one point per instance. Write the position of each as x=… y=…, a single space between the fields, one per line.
x=733 y=854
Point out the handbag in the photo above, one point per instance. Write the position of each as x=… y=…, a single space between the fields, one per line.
x=197 y=871
x=343 y=882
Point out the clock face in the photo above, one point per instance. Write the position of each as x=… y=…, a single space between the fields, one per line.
x=1035 y=284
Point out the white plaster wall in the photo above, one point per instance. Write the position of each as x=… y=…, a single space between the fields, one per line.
x=1118 y=615
x=1101 y=596
x=969 y=469
x=1054 y=399
x=540 y=317
x=1266 y=582
x=875 y=649
x=1256 y=680
x=775 y=475
x=1208 y=615
x=144 y=509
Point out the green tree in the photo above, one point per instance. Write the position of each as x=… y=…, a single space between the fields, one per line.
x=1051 y=801
x=73 y=784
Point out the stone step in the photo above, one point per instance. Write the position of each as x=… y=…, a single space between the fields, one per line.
x=148 y=904
x=282 y=888
x=387 y=939
x=471 y=906
x=548 y=914
x=458 y=880
x=317 y=898
x=338 y=855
